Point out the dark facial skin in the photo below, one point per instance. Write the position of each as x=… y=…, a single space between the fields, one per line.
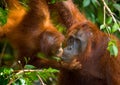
x=76 y=44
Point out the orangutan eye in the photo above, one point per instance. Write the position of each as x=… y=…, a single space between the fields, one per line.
x=70 y=40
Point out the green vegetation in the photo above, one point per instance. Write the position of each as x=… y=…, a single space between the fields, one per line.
x=105 y=14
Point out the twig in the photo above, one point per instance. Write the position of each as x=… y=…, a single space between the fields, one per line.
x=104 y=16
x=109 y=11
x=22 y=71
x=11 y=81
x=40 y=79
x=111 y=14
x=104 y=22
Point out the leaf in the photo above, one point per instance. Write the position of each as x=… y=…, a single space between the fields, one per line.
x=46 y=73
x=61 y=28
x=3 y=16
x=29 y=67
x=93 y=17
x=22 y=81
x=112 y=48
x=109 y=20
x=117 y=6
x=102 y=26
x=26 y=59
x=109 y=30
x=100 y=15
x=52 y=2
x=86 y=3
x=50 y=70
x=41 y=55
x=5 y=71
x=5 y=74
x=115 y=27
x=57 y=59
x=95 y=3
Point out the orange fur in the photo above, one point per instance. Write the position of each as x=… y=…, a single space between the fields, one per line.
x=95 y=65
x=32 y=32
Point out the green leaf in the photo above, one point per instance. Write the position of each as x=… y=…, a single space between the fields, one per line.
x=41 y=55
x=112 y=48
x=117 y=6
x=95 y=3
x=100 y=15
x=29 y=67
x=86 y=3
x=31 y=75
x=3 y=16
x=52 y=2
x=26 y=59
x=20 y=81
x=57 y=58
x=46 y=73
x=5 y=71
x=109 y=30
x=109 y=20
x=5 y=74
x=102 y=26
x=115 y=27
x=61 y=28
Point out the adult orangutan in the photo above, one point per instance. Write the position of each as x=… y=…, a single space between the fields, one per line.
x=86 y=49
x=32 y=32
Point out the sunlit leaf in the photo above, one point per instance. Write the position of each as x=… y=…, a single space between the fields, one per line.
x=109 y=30
x=5 y=74
x=117 y=6
x=112 y=48
x=86 y=3
x=95 y=3
x=29 y=67
x=115 y=27
x=20 y=81
x=6 y=71
x=102 y=26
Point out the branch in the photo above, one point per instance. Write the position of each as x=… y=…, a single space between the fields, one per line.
x=109 y=11
x=104 y=16
x=22 y=71
x=40 y=79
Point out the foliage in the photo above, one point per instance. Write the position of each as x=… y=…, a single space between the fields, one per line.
x=95 y=10
x=26 y=76
x=106 y=14
x=3 y=16
x=112 y=48
x=4 y=75
x=42 y=56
